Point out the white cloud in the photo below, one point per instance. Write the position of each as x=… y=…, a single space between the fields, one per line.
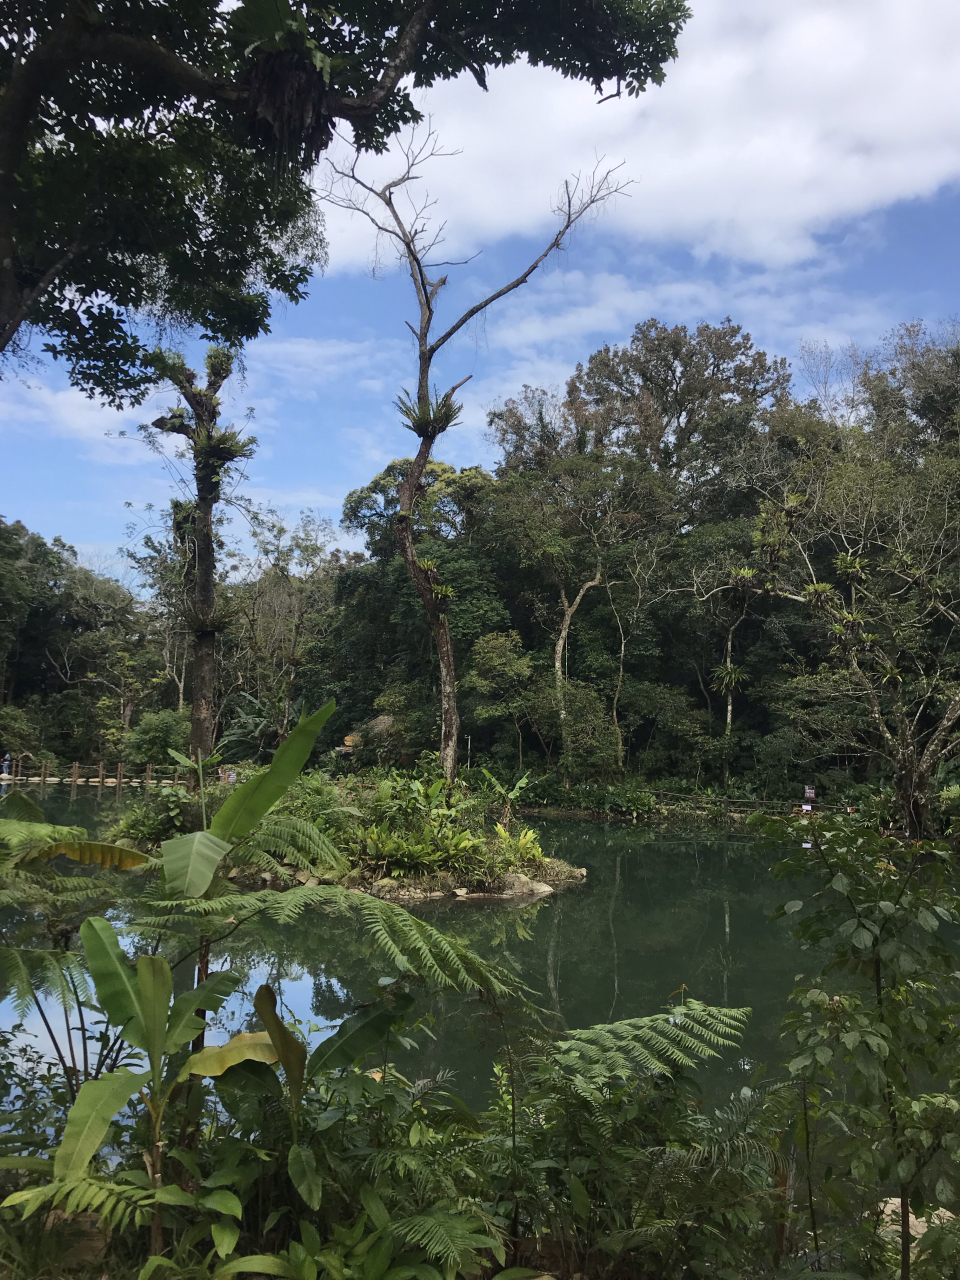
x=31 y=406
x=301 y=368
x=777 y=120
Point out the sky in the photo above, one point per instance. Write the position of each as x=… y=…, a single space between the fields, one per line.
x=798 y=170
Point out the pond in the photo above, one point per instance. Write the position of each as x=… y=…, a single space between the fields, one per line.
x=658 y=918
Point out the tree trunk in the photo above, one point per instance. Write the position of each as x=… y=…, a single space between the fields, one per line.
x=904 y=1233
x=619 y=689
x=450 y=716
x=426 y=582
x=912 y=792
x=558 y=651
x=203 y=714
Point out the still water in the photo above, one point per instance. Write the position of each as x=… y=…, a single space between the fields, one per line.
x=658 y=918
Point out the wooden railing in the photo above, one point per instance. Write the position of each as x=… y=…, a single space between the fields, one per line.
x=98 y=775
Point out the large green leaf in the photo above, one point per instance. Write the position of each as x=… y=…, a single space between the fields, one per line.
x=183 y=1024
x=189 y=862
x=356 y=1036
x=264 y=1264
x=302 y=1167
x=29 y=1164
x=256 y=1046
x=248 y=804
x=253 y=1079
x=221 y=1201
x=156 y=991
x=90 y=1117
x=118 y=989
x=155 y=1264
x=291 y=1051
x=94 y=853
x=137 y=1001
x=20 y=808
x=225 y=1237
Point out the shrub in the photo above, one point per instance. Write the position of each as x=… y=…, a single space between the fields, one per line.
x=154 y=733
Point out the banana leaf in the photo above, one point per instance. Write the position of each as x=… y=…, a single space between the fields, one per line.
x=91 y=1116
x=248 y=804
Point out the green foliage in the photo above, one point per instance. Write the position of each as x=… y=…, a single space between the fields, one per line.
x=873 y=1034
x=655 y=1044
x=155 y=732
x=251 y=801
x=393 y=824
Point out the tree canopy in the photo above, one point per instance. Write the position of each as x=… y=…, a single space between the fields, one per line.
x=155 y=159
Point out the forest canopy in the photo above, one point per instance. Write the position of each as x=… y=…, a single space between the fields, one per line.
x=677 y=570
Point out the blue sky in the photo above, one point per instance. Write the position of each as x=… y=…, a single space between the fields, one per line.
x=799 y=170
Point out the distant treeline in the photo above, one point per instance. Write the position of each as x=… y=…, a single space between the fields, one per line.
x=676 y=569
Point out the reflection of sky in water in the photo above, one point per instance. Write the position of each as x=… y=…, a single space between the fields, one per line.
x=237 y=1014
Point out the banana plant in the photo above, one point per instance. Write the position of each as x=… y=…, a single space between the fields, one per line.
x=353 y=1040
x=139 y=1001
x=190 y=861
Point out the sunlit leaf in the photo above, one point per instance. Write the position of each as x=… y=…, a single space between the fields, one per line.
x=214 y=1060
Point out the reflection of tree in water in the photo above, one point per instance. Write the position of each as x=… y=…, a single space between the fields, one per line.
x=613 y=940
x=553 y=963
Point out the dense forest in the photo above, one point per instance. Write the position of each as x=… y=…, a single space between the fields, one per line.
x=678 y=570
x=235 y=1013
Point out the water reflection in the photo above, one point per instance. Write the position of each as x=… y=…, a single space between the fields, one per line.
x=658 y=918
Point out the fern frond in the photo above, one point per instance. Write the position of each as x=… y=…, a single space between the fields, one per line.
x=294 y=840
x=20 y=807
x=407 y=942
x=114 y=1202
x=23 y=840
x=678 y=1038
x=448 y=1238
x=29 y=971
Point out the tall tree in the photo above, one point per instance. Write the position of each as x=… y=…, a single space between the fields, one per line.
x=427 y=414
x=212 y=450
x=859 y=528
x=682 y=400
x=156 y=158
x=281 y=607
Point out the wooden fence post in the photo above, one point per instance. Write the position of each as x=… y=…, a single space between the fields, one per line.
x=120 y=778
x=43 y=777
x=148 y=777
x=74 y=777
x=100 y=782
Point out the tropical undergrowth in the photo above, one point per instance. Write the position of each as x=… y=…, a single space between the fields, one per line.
x=288 y=1152
x=383 y=824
